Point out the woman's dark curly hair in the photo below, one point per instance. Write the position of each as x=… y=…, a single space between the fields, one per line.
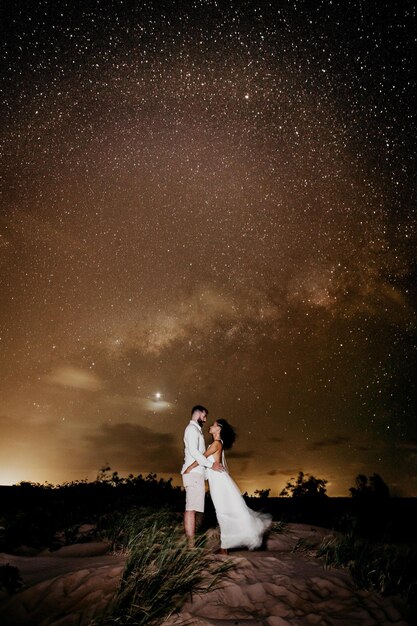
x=227 y=434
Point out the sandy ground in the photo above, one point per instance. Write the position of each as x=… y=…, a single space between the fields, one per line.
x=274 y=587
x=66 y=588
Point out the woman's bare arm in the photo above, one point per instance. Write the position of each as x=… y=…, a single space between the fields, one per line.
x=212 y=449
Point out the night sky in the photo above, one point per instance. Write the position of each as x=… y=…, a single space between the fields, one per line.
x=209 y=202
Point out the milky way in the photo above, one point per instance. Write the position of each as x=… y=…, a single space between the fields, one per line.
x=214 y=202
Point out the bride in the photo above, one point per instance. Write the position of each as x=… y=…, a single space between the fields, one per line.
x=239 y=525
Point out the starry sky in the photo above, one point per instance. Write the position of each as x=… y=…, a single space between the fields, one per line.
x=208 y=202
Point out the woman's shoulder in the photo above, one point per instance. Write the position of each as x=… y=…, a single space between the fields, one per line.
x=214 y=446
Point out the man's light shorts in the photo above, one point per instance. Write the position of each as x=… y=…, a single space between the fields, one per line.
x=194 y=491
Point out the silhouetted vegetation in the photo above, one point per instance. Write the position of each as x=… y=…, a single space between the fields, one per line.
x=44 y=516
x=47 y=516
x=372 y=510
x=262 y=494
x=374 y=488
x=305 y=485
x=10 y=579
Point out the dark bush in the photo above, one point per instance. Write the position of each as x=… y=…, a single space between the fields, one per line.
x=10 y=579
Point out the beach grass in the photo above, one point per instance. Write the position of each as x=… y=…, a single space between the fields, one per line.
x=388 y=569
x=161 y=570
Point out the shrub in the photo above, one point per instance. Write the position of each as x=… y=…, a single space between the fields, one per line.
x=386 y=568
x=304 y=486
x=10 y=579
x=337 y=552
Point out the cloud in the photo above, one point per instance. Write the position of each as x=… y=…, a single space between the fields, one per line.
x=328 y=442
x=234 y=454
x=76 y=378
x=132 y=447
x=284 y=472
x=27 y=426
x=149 y=403
x=408 y=445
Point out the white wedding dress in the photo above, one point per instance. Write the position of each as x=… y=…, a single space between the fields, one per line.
x=239 y=525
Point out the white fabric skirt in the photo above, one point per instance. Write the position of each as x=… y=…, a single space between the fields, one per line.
x=239 y=525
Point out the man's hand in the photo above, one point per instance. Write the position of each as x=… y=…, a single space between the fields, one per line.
x=217 y=467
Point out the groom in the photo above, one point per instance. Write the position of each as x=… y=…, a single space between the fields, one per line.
x=194 y=480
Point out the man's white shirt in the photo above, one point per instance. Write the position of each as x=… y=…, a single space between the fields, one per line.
x=194 y=448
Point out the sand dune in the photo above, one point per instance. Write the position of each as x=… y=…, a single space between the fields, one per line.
x=67 y=587
x=280 y=588
x=274 y=587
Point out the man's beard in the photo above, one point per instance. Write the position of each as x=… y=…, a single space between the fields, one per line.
x=200 y=422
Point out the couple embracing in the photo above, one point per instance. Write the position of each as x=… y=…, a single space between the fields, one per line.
x=239 y=525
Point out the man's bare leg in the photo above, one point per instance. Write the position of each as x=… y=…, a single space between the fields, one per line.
x=198 y=519
x=189 y=527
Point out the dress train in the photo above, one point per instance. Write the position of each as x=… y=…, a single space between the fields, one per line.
x=239 y=525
